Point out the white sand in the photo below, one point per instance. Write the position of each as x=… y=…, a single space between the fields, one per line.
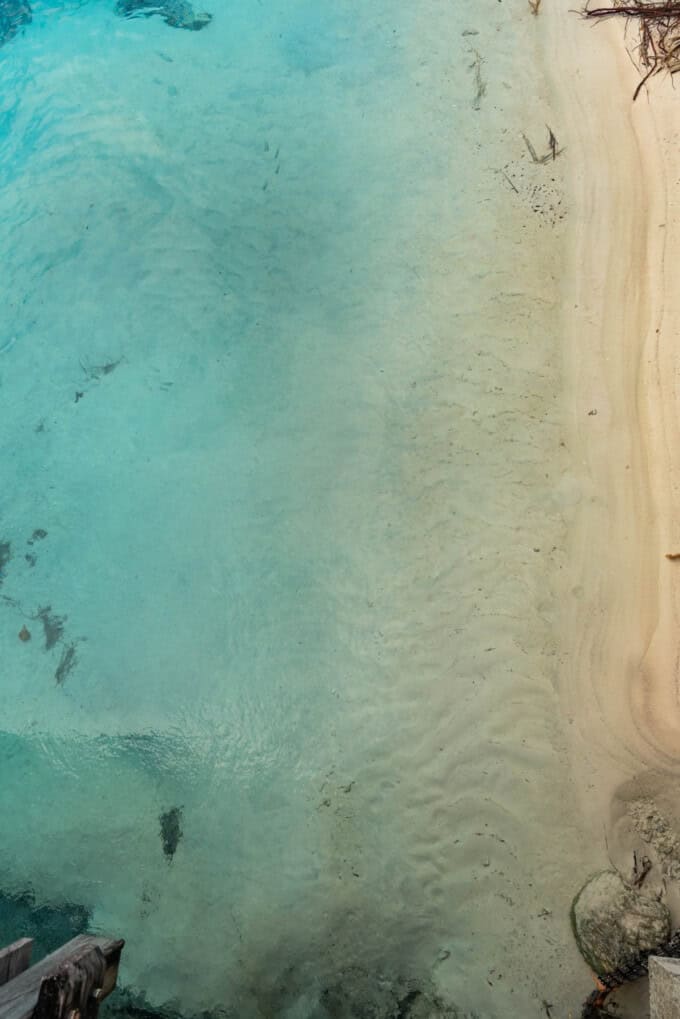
x=619 y=680
x=617 y=393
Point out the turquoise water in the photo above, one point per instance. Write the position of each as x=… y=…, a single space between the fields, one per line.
x=278 y=383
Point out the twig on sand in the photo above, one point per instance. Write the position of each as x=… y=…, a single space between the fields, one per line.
x=553 y=148
x=552 y=142
x=535 y=6
x=641 y=869
x=532 y=151
x=509 y=180
x=659 y=25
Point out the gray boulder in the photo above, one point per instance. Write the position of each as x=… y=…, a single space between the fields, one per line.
x=613 y=922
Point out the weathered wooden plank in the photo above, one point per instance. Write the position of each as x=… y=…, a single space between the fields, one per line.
x=74 y=990
x=19 y=997
x=15 y=959
x=20 y=959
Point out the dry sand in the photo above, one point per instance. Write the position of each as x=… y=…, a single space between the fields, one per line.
x=620 y=669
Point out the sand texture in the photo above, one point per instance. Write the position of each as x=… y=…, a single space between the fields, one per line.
x=621 y=314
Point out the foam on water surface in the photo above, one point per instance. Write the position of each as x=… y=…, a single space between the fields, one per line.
x=281 y=504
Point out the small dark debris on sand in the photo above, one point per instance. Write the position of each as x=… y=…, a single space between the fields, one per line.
x=50 y=923
x=24 y=634
x=171 y=831
x=52 y=625
x=67 y=663
x=38 y=535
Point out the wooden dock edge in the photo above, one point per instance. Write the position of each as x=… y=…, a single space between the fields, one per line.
x=70 y=983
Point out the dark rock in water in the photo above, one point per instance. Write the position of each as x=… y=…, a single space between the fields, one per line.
x=124 y=1004
x=53 y=626
x=14 y=14
x=67 y=663
x=614 y=923
x=176 y=13
x=128 y=1004
x=171 y=830
x=50 y=925
x=5 y=546
x=361 y=994
x=351 y=993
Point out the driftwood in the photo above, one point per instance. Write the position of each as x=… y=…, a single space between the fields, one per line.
x=659 y=26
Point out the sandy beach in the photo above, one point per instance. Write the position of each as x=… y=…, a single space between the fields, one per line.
x=619 y=678
x=620 y=315
x=363 y=420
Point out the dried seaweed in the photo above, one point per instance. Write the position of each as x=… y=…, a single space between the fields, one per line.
x=658 y=46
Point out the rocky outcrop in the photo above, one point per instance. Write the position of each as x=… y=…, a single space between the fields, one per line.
x=615 y=923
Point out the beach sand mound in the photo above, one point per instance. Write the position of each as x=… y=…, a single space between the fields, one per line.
x=614 y=923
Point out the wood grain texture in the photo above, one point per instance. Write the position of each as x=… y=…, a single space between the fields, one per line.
x=19 y=997
x=15 y=959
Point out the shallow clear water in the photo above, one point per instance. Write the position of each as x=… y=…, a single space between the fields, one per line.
x=280 y=450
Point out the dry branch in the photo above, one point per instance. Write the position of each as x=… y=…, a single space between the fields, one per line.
x=659 y=34
x=636 y=10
